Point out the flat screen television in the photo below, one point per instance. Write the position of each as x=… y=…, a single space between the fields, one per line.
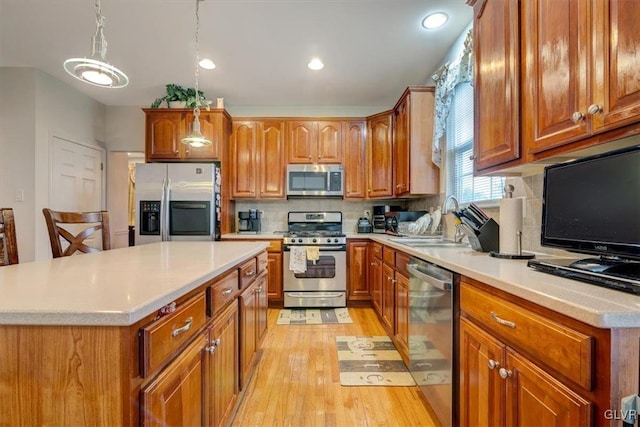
x=592 y=206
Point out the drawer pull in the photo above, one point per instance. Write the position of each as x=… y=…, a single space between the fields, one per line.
x=227 y=292
x=505 y=373
x=502 y=321
x=493 y=364
x=214 y=344
x=184 y=328
x=263 y=262
x=259 y=290
x=250 y=273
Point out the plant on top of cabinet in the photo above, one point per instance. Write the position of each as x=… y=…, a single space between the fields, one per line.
x=176 y=93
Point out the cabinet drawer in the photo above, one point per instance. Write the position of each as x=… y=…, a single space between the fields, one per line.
x=376 y=249
x=248 y=272
x=163 y=337
x=402 y=260
x=222 y=292
x=560 y=347
x=263 y=262
x=389 y=256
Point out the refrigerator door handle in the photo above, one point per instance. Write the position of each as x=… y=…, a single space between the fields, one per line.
x=167 y=210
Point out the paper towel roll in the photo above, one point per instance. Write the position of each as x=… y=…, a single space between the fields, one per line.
x=510 y=224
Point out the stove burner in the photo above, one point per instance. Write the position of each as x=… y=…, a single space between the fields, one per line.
x=314 y=233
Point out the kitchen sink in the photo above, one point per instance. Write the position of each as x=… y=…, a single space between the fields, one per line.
x=428 y=242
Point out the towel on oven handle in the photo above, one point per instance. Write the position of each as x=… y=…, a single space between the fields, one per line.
x=313 y=253
x=298 y=259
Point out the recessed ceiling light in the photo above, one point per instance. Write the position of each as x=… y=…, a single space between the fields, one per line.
x=207 y=64
x=435 y=20
x=315 y=64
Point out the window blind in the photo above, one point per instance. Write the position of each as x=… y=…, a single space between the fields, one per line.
x=459 y=139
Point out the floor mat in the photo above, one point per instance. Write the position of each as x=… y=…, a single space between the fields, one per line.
x=313 y=316
x=371 y=361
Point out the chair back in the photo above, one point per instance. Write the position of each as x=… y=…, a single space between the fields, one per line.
x=95 y=222
x=8 y=241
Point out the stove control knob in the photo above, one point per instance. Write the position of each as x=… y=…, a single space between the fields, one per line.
x=328 y=240
x=314 y=240
x=299 y=240
x=335 y=240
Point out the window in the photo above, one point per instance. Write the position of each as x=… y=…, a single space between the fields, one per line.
x=460 y=180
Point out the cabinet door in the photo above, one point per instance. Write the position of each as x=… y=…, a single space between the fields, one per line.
x=329 y=143
x=354 y=160
x=302 y=137
x=401 y=147
x=164 y=131
x=375 y=280
x=536 y=398
x=556 y=42
x=388 y=298
x=620 y=39
x=248 y=304
x=176 y=396
x=275 y=276
x=402 y=314
x=379 y=157
x=262 y=304
x=271 y=160
x=496 y=88
x=482 y=391
x=210 y=127
x=357 y=265
x=244 y=160
x=222 y=376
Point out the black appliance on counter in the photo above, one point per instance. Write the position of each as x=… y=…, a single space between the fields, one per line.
x=378 y=216
x=364 y=225
x=393 y=219
x=250 y=222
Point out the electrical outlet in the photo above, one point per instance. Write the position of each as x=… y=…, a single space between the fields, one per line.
x=367 y=213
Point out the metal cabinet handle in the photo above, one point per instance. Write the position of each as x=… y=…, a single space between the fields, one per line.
x=505 y=373
x=184 y=328
x=577 y=117
x=250 y=273
x=472 y=158
x=502 y=321
x=493 y=364
x=214 y=344
x=227 y=292
x=594 y=109
x=258 y=290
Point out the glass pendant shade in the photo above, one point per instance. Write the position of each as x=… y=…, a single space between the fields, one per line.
x=196 y=138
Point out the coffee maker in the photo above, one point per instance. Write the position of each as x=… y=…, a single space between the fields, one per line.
x=249 y=222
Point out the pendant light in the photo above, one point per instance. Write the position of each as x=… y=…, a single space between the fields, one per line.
x=196 y=138
x=95 y=70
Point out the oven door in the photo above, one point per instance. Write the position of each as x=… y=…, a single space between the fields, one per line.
x=190 y=218
x=329 y=273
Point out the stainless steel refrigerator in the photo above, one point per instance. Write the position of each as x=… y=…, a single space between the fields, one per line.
x=177 y=201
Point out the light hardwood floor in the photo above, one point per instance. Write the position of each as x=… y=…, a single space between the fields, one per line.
x=297 y=382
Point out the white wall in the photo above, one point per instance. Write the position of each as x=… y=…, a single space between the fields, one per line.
x=35 y=108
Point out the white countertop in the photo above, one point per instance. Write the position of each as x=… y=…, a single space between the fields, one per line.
x=116 y=287
x=591 y=304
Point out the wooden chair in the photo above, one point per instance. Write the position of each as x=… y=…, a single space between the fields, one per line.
x=95 y=222
x=8 y=241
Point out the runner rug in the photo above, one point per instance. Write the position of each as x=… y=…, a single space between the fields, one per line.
x=371 y=361
x=313 y=316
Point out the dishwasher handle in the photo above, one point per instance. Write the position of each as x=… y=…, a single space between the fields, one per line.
x=444 y=284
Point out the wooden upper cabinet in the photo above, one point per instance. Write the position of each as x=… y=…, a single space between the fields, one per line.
x=244 y=159
x=581 y=70
x=165 y=128
x=258 y=159
x=271 y=159
x=314 y=142
x=414 y=171
x=379 y=155
x=354 y=160
x=496 y=88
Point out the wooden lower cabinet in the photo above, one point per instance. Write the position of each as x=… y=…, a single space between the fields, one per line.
x=275 y=292
x=388 y=299
x=221 y=380
x=253 y=324
x=402 y=314
x=499 y=386
x=176 y=396
x=375 y=276
x=357 y=266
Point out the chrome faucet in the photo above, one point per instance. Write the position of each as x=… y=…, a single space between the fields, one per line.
x=459 y=235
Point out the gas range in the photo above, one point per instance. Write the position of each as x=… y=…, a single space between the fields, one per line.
x=315 y=228
x=315 y=238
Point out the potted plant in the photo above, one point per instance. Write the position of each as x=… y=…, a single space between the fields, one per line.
x=176 y=93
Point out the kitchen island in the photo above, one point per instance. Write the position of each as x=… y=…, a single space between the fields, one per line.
x=86 y=339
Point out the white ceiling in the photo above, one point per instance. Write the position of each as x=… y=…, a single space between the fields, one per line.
x=372 y=49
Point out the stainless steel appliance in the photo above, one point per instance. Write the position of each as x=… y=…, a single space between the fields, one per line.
x=324 y=281
x=250 y=222
x=433 y=360
x=378 y=221
x=364 y=225
x=177 y=201
x=392 y=220
x=315 y=180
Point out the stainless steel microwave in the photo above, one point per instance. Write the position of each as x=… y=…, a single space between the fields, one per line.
x=315 y=180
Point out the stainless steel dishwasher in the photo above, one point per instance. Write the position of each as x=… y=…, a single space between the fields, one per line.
x=432 y=336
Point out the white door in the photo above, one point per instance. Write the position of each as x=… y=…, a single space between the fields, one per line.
x=76 y=182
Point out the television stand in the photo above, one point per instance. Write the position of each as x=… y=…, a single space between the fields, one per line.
x=615 y=273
